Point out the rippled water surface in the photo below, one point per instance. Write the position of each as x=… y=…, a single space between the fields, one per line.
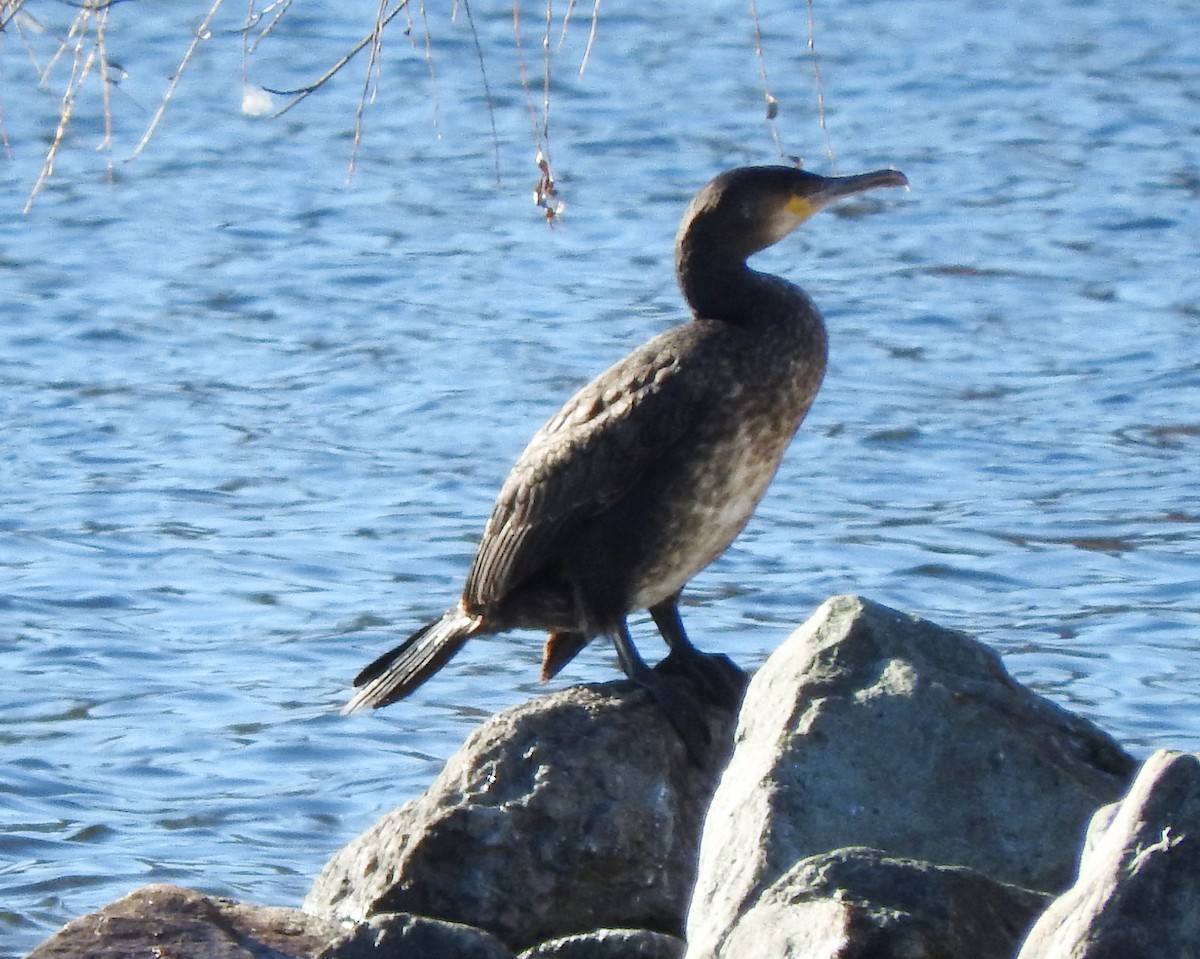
x=254 y=418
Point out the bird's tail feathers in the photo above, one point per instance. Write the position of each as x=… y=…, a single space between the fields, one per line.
x=398 y=672
x=560 y=649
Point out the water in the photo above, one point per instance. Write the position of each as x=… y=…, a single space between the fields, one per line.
x=254 y=418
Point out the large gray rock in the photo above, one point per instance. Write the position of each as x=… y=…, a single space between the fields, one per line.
x=861 y=904
x=1138 y=891
x=577 y=811
x=869 y=727
x=610 y=944
x=398 y=935
x=163 y=920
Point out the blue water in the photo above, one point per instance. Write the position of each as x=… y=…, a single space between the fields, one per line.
x=254 y=417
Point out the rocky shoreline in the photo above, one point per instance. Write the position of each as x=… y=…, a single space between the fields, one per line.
x=888 y=790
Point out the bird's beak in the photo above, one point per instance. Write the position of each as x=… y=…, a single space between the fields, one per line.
x=834 y=188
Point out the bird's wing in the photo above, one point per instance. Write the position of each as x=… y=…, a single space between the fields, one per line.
x=589 y=455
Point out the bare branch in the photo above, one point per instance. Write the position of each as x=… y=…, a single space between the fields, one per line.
x=202 y=33
x=591 y=40
x=772 y=103
x=300 y=93
x=84 y=57
x=280 y=7
x=545 y=194
x=437 y=128
x=487 y=89
x=85 y=47
x=566 y=23
x=816 y=63
x=105 y=81
x=373 y=60
x=546 y=59
x=8 y=10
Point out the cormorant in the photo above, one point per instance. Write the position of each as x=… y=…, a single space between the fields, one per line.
x=648 y=473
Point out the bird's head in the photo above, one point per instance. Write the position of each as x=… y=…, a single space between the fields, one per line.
x=748 y=209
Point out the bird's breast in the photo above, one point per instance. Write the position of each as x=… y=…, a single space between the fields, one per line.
x=720 y=475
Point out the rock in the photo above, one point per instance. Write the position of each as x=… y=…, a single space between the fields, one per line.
x=1138 y=891
x=869 y=727
x=610 y=944
x=861 y=904
x=396 y=934
x=577 y=811
x=163 y=920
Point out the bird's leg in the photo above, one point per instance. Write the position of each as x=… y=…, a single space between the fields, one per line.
x=718 y=677
x=681 y=710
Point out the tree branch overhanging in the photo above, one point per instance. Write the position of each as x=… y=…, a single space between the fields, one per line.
x=84 y=47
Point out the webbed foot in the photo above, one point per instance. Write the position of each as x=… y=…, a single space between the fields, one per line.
x=675 y=695
x=719 y=679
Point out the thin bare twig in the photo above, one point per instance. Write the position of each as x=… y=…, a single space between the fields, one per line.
x=591 y=40
x=562 y=37
x=202 y=33
x=816 y=64
x=300 y=93
x=772 y=103
x=437 y=126
x=86 y=39
x=370 y=84
x=546 y=59
x=64 y=44
x=566 y=23
x=487 y=89
x=105 y=97
x=545 y=194
x=8 y=10
x=280 y=7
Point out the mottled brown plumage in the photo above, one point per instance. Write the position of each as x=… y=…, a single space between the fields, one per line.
x=649 y=472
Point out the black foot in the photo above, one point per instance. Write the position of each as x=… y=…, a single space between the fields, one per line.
x=674 y=695
x=715 y=675
x=717 y=678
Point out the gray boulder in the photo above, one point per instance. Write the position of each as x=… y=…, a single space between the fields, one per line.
x=392 y=935
x=873 y=728
x=610 y=944
x=1138 y=891
x=861 y=904
x=578 y=811
x=163 y=920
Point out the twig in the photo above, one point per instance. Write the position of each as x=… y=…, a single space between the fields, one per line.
x=562 y=37
x=437 y=126
x=816 y=64
x=487 y=89
x=373 y=61
x=546 y=57
x=300 y=93
x=8 y=10
x=545 y=194
x=252 y=20
x=105 y=98
x=591 y=40
x=79 y=73
x=202 y=33
x=772 y=103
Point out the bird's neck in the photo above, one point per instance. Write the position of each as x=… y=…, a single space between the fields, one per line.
x=729 y=290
